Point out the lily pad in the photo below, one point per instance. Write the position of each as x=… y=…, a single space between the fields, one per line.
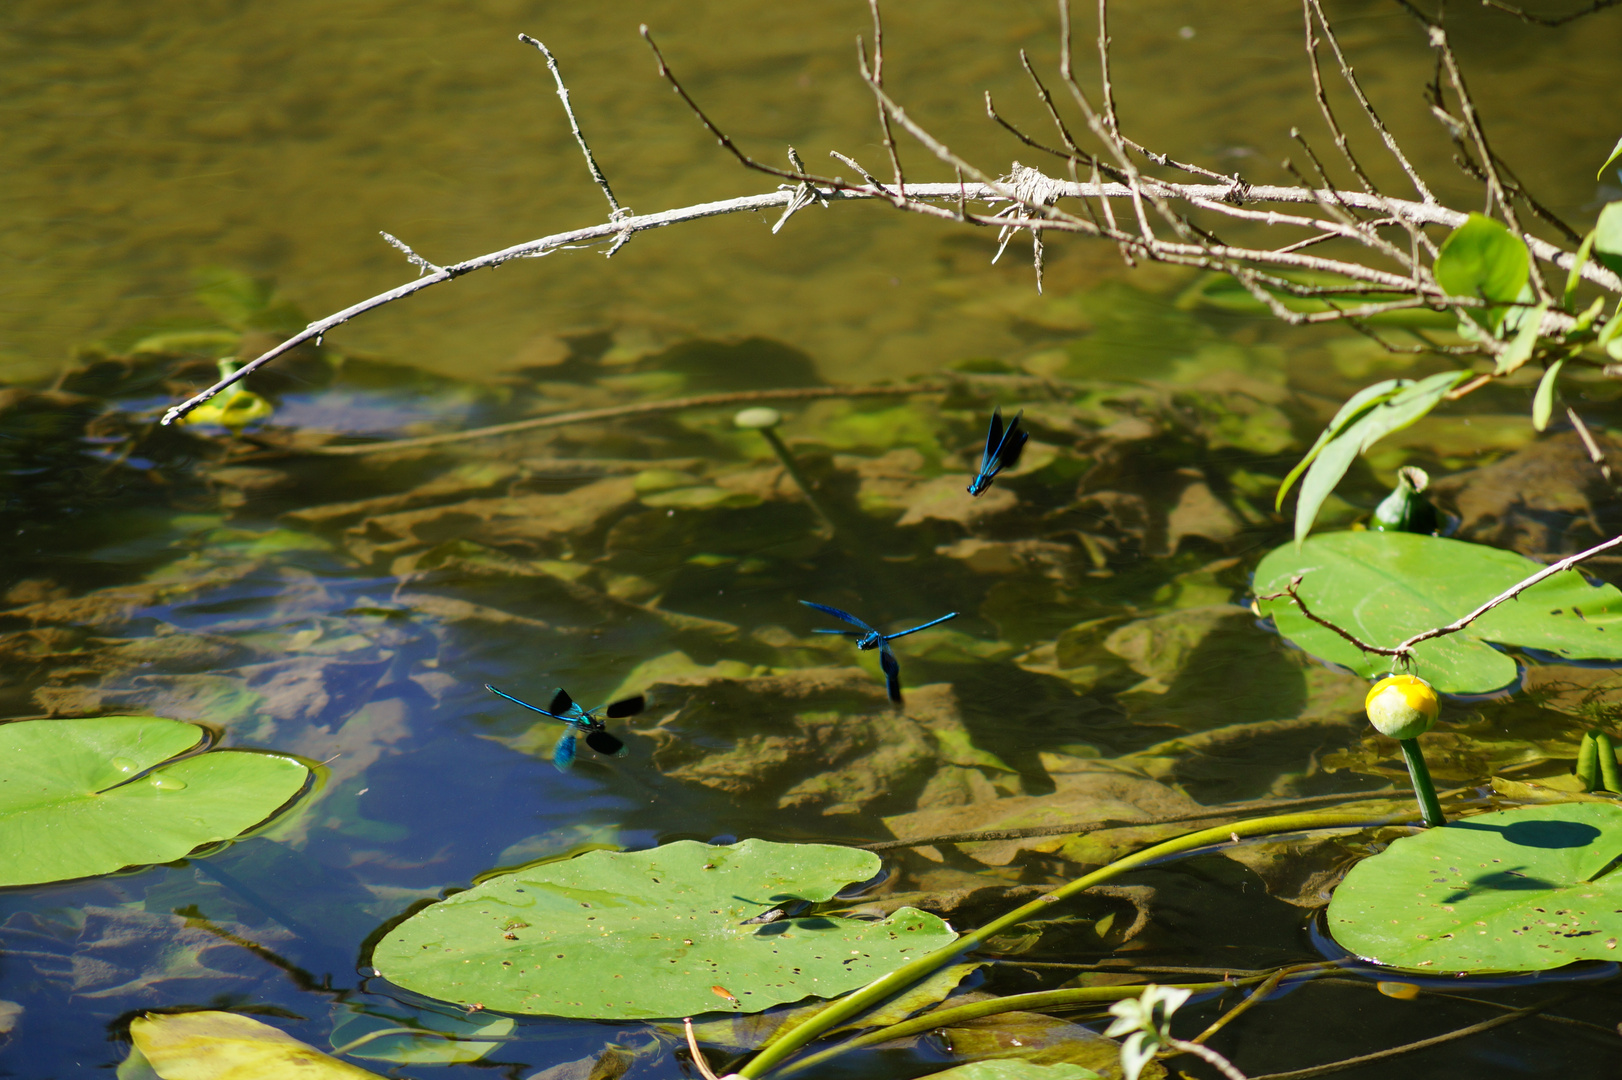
x=1385 y=586
x=82 y=797
x=422 y=1038
x=615 y=935
x=1014 y=1069
x=1521 y=890
x=226 y=1046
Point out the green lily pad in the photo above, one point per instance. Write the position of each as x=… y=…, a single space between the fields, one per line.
x=1384 y=587
x=77 y=798
x=1522 y=890
x=615 y=935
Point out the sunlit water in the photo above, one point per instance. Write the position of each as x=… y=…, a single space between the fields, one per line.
x=144 y=147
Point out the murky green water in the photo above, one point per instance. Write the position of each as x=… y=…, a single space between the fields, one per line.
x=349 y=608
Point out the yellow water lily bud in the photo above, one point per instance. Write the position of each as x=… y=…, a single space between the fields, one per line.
x=1402 y=706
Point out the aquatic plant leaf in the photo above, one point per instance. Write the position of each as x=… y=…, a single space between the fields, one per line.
x=1353 y=431
x=126 y=958
x=1014 y=1069
x=1615 y=153
x=1520 y=890
x=229 y=1046
x=1543 y=400
x=419 y=1038
x=1385 y=586
x=623 y=935
x=1608 y=237
x=1039 y=1039
x=1483 y=259
x=66 y=811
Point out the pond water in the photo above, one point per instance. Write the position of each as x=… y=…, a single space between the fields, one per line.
x=197 y=181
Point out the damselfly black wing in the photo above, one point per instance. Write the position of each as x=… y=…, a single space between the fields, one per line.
x=626 y=707
x=1012 y=444
x=892 y=673
x=604 y=743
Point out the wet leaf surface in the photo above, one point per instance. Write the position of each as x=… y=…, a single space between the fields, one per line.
x=643 y=935
x=1384 y=586
x=86 y=797
x=221 y=1045
x=1520 y=890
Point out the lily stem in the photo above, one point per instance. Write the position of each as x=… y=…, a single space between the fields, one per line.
x=792 y=467
x=1430 y=809
x=790 y=1039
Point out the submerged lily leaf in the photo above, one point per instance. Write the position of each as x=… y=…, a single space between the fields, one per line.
x=229 y=1046
x=421 y=1038
x=1384 y=586
x=1039 y=1039
x=1014 y=1069
x=617 y=935
x=66 y=811
x=1519 y=890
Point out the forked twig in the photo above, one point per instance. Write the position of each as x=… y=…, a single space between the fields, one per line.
x=1032 y=200
x=615 y=210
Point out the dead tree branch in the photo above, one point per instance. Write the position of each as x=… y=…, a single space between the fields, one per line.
x=1387 y=278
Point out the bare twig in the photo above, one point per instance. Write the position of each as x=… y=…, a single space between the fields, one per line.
x=1472 y=121
x=1316 y=9
x=1290 y=591
x=920 y=198
x=423 y=265
x=1550 y=20
x=1595 y=454
x=804 y=194
x=878 y=82
x=1408 y=1048
x=615 y=210
x=1209 y=1056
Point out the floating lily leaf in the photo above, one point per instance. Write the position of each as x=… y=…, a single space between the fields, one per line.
x=227 y=1046
x=1038 y=1039
x=1014 y=1069
x=616 y=935
x=66 y=811
x=1385 y=586
x=1520 y=890
x=421 y=1038
x=127 y=958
